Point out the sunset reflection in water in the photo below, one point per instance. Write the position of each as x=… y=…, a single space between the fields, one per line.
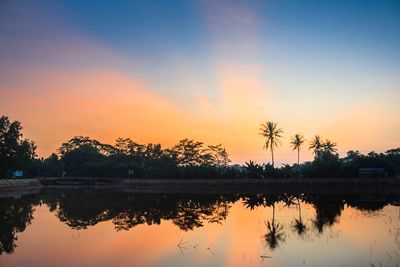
x=100 y=228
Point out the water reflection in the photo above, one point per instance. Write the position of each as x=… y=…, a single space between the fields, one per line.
x=298 y=225
x=83 y=209
x=15 y=215
x=87 y=208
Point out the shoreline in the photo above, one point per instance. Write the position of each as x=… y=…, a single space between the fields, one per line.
x=215 y=186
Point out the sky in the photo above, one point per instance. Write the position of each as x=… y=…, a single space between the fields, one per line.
x=213 y=71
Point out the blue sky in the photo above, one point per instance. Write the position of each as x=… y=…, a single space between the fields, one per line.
x=327 y=67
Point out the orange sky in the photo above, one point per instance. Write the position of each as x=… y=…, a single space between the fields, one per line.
x=55 y=108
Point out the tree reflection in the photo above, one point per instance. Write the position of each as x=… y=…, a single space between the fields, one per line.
x=328 y=209
x=80 y=209
x=298 y=225
x=275 y=231
x=15 y=215
x=275 y=234
x=192 y=214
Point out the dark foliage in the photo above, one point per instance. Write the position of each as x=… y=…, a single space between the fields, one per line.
x=16 y=153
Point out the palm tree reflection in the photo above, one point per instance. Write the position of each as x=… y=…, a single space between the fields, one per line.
x=298 y=225
x=275 y=234
x=275 y=231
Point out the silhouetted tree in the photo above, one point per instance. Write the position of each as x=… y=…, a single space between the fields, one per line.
x=80 y=141
x=15 y=152
x=52 y=166
x=253 y=169
x=296 y=142
x=316 y=145
x=272 y=134
x=128 y=147
x=329 y=146
x=85 y=160
x=189 y=153
x=219 y=155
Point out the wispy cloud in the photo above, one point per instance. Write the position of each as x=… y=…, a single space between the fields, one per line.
x=243 y=95
x=233 y=25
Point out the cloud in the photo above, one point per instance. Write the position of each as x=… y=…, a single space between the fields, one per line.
x=231 y=21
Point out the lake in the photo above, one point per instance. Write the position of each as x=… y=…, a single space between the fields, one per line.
x=93 y=227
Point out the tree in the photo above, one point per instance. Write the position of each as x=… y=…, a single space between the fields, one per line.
x=316 y=145
x=329 y=147
x=219 y=155
x=128 y=147
x=189 y=152
x=15 y=152
x=296 y=142
x=52 y=166
x=272 y=134
x=80 y=141
x=253 y=169
x=84 y=161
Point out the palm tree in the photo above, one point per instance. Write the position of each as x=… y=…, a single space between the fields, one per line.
x=296 y=142
x=329 y=146
x=272 y=134
x=316 y=144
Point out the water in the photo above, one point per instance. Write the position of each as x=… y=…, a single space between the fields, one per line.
x=107 y=228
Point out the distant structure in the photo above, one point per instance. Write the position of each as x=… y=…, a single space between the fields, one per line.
x=16 y=174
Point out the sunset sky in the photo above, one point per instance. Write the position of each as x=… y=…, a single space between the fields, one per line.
x=213 y=71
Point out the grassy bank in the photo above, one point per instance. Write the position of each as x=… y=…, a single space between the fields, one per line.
x=302 y=185
x=336 y=185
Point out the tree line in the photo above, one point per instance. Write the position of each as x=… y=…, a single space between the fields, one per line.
x=82 y=156
x=326 y=161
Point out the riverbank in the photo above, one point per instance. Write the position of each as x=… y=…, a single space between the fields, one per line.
x=337 y=185
x=16 y=188
x=300 y=185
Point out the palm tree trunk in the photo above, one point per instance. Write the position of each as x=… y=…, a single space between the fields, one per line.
x=272 y=152
x=298 y=156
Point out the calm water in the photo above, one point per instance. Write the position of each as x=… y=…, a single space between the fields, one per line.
x=107 y=228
